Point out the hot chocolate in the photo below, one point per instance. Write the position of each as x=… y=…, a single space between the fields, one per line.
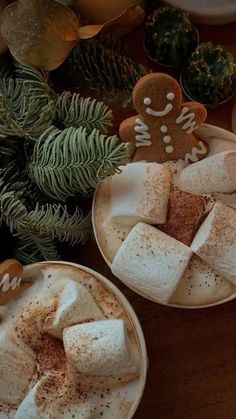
x=67 y=349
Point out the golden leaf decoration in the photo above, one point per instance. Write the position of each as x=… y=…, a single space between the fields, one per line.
x=120 y=25
x=39 y=33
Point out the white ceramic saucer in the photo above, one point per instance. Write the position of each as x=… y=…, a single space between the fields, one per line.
x=110 y=236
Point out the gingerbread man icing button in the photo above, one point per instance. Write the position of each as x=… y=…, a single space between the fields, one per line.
x=164 y=127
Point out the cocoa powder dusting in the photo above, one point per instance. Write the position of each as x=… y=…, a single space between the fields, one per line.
x=50 y=354
x=185 y=214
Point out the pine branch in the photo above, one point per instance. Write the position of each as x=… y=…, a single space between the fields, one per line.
x=15 y=216
x=69 y=162
x=27 y=104
x=37 y=229
x=13 y=177
x=8 y=147
x=56 y=222
x=103 y=66
x=31 y=251
x=35 y=76
x=77 y=111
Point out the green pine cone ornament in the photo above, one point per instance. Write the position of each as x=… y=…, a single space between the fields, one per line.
x=210 y=74
x=170 y=36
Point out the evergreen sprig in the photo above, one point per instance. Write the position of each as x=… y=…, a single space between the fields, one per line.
x=69 y=162
x=52 y=147
x=31 y=250
x=27 y=104
x=77 y=111
x=15 y=215
x=104 y=65
x=8 y=147
x=55 y=221
x=38 y=228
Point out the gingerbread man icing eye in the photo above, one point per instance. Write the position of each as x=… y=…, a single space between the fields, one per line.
x=170 y=96
x=150 y=111
x=147 y=100
x=163 y=128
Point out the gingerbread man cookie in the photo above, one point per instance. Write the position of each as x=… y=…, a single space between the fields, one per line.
x=11 y=284
x=163 y=128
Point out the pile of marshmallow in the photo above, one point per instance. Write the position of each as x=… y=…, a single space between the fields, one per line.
x=154 y=263
x=98 y=352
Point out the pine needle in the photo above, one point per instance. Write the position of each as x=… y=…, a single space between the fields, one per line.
x=77 y=111
x=66 y=163
x=27 y=105
x=36 y=250
x=55 y=221
x=15 y=216
x=103 y=66
x=8 y=147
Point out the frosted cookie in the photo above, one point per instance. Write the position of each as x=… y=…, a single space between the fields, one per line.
x=213 y=174
x=100 y=348
x=11 y=284
x=140 y=193
x=215 y=241
x=151 y=261
x=164 y=127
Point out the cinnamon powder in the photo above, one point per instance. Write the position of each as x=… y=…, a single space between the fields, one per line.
x=185 y=214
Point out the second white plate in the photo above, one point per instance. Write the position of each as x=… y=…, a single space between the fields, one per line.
x=109 y=236
x=215 y=12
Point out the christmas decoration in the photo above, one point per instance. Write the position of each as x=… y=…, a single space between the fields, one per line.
x=42 y=33
x=50 y=149
x=210 y=74
x=169 y=36
x=103 y=64
x=101 y=11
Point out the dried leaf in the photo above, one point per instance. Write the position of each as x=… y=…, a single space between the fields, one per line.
x=39 y=33
x=120 y=25
x=100 y=11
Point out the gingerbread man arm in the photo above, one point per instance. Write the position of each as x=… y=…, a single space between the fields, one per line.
x=192 y=115
x=11 y=284
x=127 y=130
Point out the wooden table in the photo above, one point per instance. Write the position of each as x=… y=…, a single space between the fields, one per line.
x=192 y=353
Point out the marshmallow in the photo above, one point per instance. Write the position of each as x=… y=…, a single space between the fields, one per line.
x=201 y=285
x=100 y=348
x=17 y=363
x=215 y=241
x=53 y=396
x=75 y=305
x=151 y=261
x=140 y=193
x=213 y=174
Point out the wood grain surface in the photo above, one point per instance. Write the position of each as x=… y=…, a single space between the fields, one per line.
x=192 y=353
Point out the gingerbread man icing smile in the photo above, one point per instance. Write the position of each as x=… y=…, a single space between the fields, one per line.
x=163 y=128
